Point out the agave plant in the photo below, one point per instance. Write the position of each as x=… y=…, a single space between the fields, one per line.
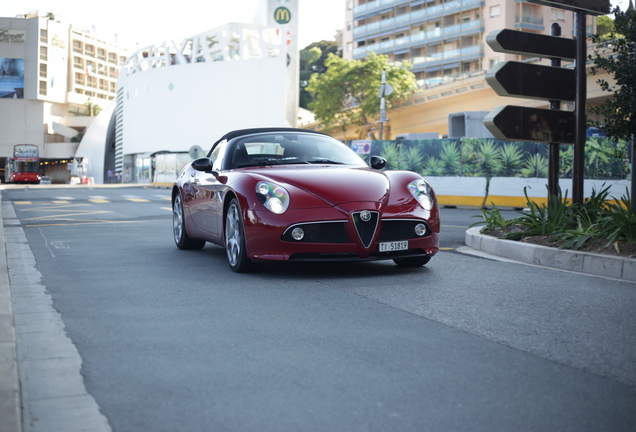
x=489 y=161
x=391 y=152
x=433 y=167
x=450 y=156
x=412 y=160
x=535 y=166
x=511 y=157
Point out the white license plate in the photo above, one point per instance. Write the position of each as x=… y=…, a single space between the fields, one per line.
x=394 y=246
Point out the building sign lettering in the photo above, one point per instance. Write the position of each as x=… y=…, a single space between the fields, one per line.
x=12 y=36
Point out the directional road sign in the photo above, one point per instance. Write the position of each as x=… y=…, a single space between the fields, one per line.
x=531 y=44
x=590 y=7
x=532 y=81
x=517 y=123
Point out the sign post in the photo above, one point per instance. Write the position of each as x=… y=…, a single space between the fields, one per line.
x=550 y=83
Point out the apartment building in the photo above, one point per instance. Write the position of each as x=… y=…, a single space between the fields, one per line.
x=61 y=77
x=443 y=39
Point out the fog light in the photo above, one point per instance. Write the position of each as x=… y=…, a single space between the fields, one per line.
x=420 y=229
x=298 y=234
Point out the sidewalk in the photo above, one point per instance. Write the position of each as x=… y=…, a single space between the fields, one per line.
x=10 y=412
x=41 y=387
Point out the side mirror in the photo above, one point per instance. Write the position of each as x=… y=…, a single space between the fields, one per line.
x=202 y=164
x=378 y=162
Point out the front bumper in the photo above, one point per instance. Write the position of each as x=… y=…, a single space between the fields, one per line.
x=336 y=234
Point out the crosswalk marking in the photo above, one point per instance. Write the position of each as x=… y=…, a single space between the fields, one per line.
x=139 y=200
x=22 y=202
x=99 y=201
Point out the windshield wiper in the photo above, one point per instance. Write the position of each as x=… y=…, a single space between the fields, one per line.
x=262 y=162
x=324 y=161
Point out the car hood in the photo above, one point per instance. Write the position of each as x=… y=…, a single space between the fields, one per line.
x=334 y=185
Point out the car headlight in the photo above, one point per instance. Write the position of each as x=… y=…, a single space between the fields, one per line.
x=274 y=197
x=422 y=192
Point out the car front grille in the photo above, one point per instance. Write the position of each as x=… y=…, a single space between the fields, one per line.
x=336 y=232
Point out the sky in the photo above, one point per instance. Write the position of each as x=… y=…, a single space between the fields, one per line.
x=148 y=23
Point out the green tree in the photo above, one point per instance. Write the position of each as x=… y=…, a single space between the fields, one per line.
x=618 y=112
x=347 y=93
x=605 y=29
x=312 y=61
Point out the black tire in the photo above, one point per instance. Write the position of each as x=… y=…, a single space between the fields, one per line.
x=235 y=239
x=181 y=237
x=412 y=261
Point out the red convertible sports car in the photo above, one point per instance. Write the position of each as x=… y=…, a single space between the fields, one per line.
x=280 y=194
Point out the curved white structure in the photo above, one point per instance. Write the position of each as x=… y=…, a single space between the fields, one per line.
x=172 y=97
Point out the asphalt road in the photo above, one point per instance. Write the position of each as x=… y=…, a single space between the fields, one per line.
x=172 y=340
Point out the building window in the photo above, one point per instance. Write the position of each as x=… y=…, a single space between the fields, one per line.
x=43 y=88
x=557 y=14
x=113 y=87
x=112 y=58
x=101 y=54
x=493 y=62
x=80 y=79
x=78 y=63
x=89 y=50
x=44 y=53
x=77 y=47
x=103 y=85
x=42 y=71
x=44 y=36
x=495 y=11
x=91 y=81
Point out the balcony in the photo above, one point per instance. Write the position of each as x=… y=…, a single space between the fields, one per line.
x=421 y=38
x=529 y=23
x=372 y=9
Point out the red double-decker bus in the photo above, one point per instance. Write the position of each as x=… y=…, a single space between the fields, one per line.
x=24 y=166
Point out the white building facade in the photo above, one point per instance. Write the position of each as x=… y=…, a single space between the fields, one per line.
x=53 y=79
x=175 y=99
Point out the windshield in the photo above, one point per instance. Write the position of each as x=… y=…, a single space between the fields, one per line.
x=290 y=148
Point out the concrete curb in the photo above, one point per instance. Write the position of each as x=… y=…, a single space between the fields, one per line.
x=563 y=259
x=10 y=402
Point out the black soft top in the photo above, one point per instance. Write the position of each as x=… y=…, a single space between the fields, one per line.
x=240 y=132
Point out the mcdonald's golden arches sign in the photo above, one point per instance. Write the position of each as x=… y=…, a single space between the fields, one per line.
x=282 y=15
